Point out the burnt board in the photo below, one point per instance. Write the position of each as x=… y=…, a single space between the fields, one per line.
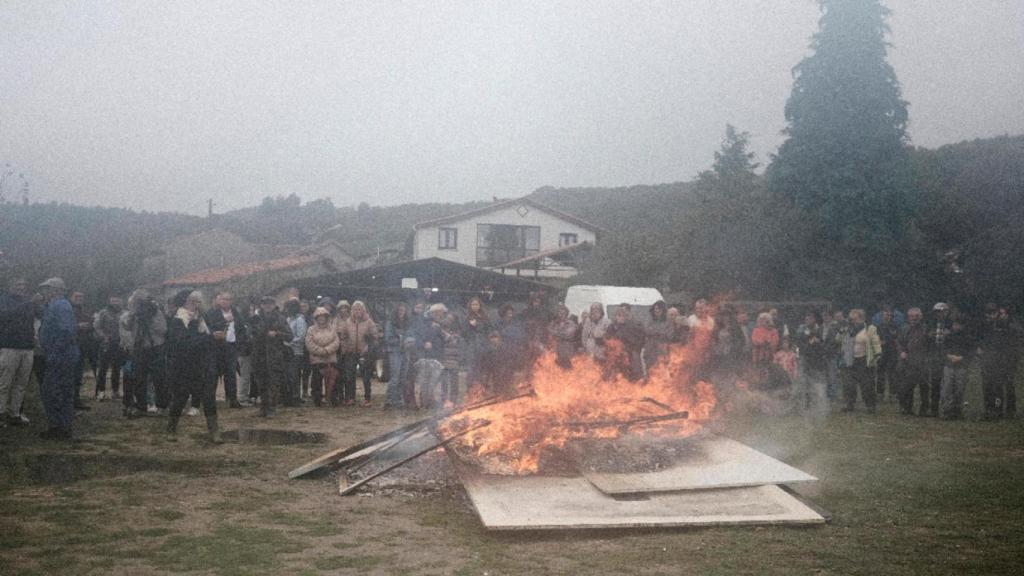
x=704 y=461
x=559 y=503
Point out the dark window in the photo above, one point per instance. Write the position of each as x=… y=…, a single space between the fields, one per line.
x=498 y=244
x=447 y=238
x=567 y=239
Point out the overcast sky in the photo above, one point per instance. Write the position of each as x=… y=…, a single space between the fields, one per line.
x=160 y=105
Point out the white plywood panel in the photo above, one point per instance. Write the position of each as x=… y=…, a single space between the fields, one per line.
x=547 y=502
x=700 y=462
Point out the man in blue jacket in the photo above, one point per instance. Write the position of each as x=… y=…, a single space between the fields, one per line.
x=57 y=337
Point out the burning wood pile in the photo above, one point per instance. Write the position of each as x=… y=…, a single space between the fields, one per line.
x=582 y=448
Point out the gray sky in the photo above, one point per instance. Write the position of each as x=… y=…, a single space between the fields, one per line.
x=160 y=105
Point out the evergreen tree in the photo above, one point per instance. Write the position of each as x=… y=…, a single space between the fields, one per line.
x=840 y=182
x=726 y=234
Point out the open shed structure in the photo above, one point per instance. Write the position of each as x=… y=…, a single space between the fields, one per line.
x=434 y=279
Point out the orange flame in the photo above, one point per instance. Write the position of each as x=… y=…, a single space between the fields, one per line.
x=520 y=430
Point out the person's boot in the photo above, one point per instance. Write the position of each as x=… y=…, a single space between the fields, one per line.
x=211 y=425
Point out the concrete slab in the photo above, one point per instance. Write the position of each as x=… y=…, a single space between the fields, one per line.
x=548 y=503
x=701 y=462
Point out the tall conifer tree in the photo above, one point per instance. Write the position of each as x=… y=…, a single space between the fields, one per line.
x=843 y=172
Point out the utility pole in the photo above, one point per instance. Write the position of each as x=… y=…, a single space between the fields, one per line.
x=209 y=209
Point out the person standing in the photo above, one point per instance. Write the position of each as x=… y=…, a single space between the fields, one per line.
x=764 y=341
x=244 y=346
x=357 y=334
x=834 y=334
x=595 y=325
x=627 y=338
x=291 y=395
x=86 y=344
x=228 y=329
x=814 y=358
x=452 y=360
x=144 y=332
x=862 y=349
x=57 y=336
x=958 y=346
x=17 y=344
x=322 y=343
x=417 y=320
x=658 y=334
x=913 y=353
x=939 y=330
x=474 y=332
x=563 y=332
x=888 y=333
x=108 y=335
x=429 y=367
x=270 y=353
x=999 y=351
x=190 y=359
x=396 y=330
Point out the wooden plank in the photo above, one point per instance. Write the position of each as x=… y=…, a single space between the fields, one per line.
x=354 y=452
x=345 y=488
x=551 y=503
x=705 y=461
x=368 y=447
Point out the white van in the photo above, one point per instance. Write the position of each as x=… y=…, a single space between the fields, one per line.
x=579 y=298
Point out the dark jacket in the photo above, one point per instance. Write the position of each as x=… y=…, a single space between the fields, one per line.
x=431 y=332
x=1000 y=345
x=814 y=347
x=214 y=318
x=913 y=342
x=959 y=342
x=630 y=333
x=188 y=349
x=270 y=353
x=17 y=322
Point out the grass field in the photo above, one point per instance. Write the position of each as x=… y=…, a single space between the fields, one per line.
x=908 y=495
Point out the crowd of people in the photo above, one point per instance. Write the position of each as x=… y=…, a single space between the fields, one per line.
x=170 y=358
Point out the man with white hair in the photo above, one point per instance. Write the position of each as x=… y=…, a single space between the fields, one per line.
x=57 y=336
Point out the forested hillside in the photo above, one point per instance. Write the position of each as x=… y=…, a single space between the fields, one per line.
x=718 y=234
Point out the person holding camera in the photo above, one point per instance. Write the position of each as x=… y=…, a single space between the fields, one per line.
x=143 y=333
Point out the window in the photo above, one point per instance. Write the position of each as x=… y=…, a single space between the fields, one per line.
x=447 y=238
x=498 y=244
x=567 y=239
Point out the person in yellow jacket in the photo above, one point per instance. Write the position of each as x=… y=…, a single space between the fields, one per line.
x=861 y=349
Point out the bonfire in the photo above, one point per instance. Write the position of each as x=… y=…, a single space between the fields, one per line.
x=556 y=405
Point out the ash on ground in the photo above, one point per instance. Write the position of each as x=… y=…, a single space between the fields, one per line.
x=428 y=474
x=633 y=453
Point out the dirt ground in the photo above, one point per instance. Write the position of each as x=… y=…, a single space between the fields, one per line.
x=908 y=496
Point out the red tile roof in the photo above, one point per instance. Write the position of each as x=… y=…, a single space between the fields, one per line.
x=219 y=275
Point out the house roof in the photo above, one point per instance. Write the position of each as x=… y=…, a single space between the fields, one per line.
x=508 y=204
x=219 y=275
x=546 y=254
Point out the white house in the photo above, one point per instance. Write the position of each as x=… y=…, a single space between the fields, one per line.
x=521 y=237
